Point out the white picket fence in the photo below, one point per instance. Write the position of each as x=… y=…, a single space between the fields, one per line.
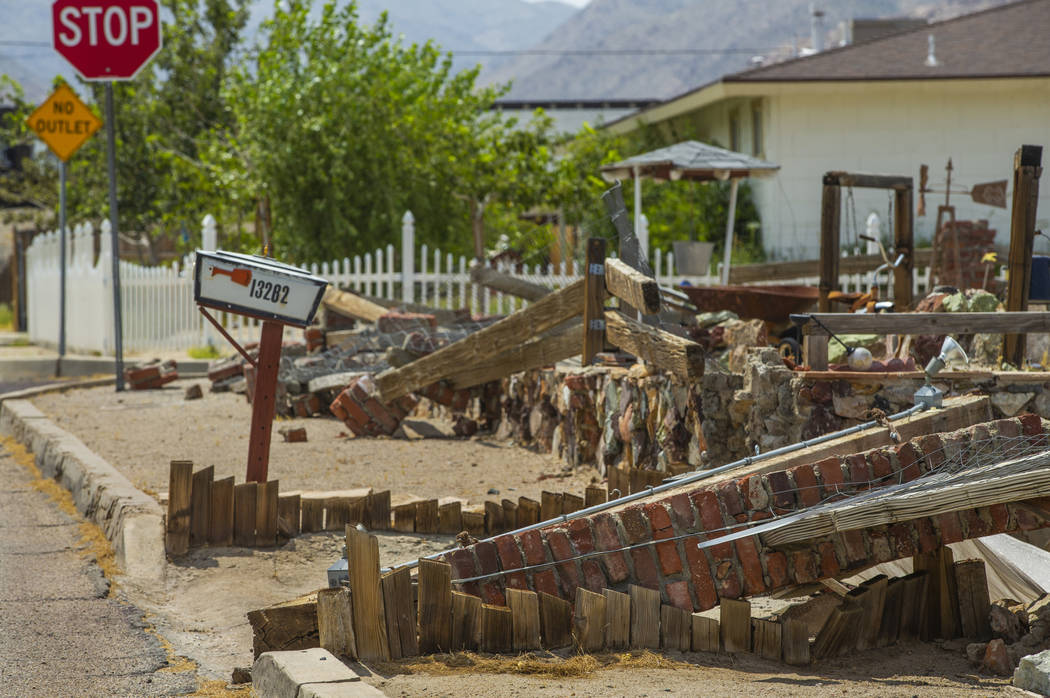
x=159 y=312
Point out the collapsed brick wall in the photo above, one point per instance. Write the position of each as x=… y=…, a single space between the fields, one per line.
x=691 y=578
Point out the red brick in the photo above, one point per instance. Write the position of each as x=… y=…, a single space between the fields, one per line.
x=949 y=528
x=711 y=517
x=575 y=382
x=545 y=581
x=644 y=568
x=1000 y=517
x=700 y=575
x=634 y=524
x=853 y=545
x=751 y=565
x=561 y=549
x=381 y=415
x=730 y=496
x=667 y=554
x=509 y=554
x=728 y=580
x=678 y=595
x=532 y=544
x=880 y=547
x=488 y=558
x=756 y=496
x=760 y=516
x=806 y=483
x=881 y=468
x=463 y=567
x=581 y=536
x=783 y=491
x=684 y=517
x=928 y=538
x=829 y=564
x=356 y=413
x=516 y=580
x=975 y=525
x=492 y=594
x=933 y=448
x=859 y=475
x=1008 y=427
x=1031 y=424
x=830 y=472
x=802 y=563
x=659 y=519
x=607 y=538
x=908 y=462
x=593 y=577
x=902 y=543
x=776 y=567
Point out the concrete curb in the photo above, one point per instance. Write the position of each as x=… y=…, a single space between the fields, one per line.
x=76 y=366
x=313 y=673
x=131 y=520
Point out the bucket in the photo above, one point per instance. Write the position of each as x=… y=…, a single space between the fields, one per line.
x=1040 y=288
x=693 y=258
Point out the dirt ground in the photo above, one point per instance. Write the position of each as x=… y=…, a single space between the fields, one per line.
x=201 y=610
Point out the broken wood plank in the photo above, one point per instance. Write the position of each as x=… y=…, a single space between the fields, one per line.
x=525 y=617
x=872 y=604
x=266 y=513
x=617 y=620
x=397 y=607
x=377 y=512
x=555 y=621
x=593 y=300
x=220 y=530
x=180 y=506
x=559 y=344
x=291 y=625
x=362 y=556
x=734 y=621
x=914 y=604
x=794 y=641
x=200 y=505
x=676 y=628
x=929 y=323
x=337 y=513
x=493 y=517
x=891 y=613
x=496 y=631
x=589 y=620
x=971 y=580
x=635 y=288
x=353 y=305
x=941 y=594
x=594 y=495
x=528 y=511
x=645 y=617
x=313 y=515
x=510 y=514
x=405 y=518
x=706 y=635
x=245 y=500
x=288 y=508
x=473 y=522
x=766 y=638
x=450 y=518
x=538 y=317
x=505 y=283
x=550 y=505
x=570 y=502
x=335 y=624
x=435 y=606
x=466 y=621
x=427 y=519
x=667 y=352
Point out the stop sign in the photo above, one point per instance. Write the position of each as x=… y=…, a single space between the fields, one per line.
x=106 y=39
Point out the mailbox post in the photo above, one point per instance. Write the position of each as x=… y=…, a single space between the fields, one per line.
x=279 y=295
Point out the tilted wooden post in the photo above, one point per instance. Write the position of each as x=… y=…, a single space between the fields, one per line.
x=594 y=301
x=1028 y=162
x=830 y=220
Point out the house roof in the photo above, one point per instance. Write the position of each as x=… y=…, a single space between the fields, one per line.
x=1005 y=41
x=689 y=160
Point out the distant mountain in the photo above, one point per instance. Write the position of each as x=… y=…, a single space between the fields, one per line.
x=734 y=32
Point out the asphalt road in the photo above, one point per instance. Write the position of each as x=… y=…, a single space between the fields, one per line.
x=59 y=633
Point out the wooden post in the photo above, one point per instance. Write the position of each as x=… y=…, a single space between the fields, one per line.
x=180 y=489
x=525 y=617
x=288 y=508
x=904 y=243
x=594 y=300
x=427 y=516
x=378 y=511
x=266 y=513
x=570 y=502
x=496 y=629
x=735 y=623
x=466 y=621
x=645 y=617
x=794 y=641
x=220 y=529
x=889 y=628
x=510 y=514
x=450 y=518
x=362 y=555
x=550 y=505
x=676 y=628
x=493 y=517
x=313 y=515
x=705 y=634
x=474 y=522
x=335 y=626
x=914 y=602
x=555 y=621
x=337 y=513
x=589 y=620
x=435 y=606
x=1028 y=162
x=405 y=518
x=200 y=505
x=397 y=607
x=838 y=635
x=244 y=505
x=830 y=222
x=872 y=605
x=767 y=636
x=617 y=620
x=528 y=511
x=941 y=597
x=594 y=495
x=264 y=400
x=974 y=603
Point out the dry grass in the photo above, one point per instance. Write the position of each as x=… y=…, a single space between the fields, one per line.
x=529 y=664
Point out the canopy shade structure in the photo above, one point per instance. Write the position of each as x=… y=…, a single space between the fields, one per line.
x=695 y=161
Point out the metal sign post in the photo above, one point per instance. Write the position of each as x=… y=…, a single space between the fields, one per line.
x=111 y=166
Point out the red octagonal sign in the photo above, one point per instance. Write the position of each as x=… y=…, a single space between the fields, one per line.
x=106 y=39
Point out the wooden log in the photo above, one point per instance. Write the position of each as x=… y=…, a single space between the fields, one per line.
x=335 y=623
x=635 y=288
x=550 y=505
x=378 y=511
x=266 y=513
x=767 y=638
x=525 y=617
x=837 y=636
x=397 y=608
x=200 y=505
x=245 y=501
x=466 y=621
x=594 y=495
x=706 y=637
x=555 y=621
x=220 y=530
x=405 y=518
x=528 y=511
x=557 y=345
x=617 y=620
x=505 y=283
x=645 y=617
x=974 y=603
x=676 y=628
x=942 y=597
x=1027 y=168
x=353 y=305
x=872 y=605
x=427 y=519
x=493 y=517
x=288 y=515
x=914 y=605
x=830 y=226
x=362 y=555
x=538 y=317
x=593 y=301
x=474 y=522
x=510 y=514
x=570 y=502
x=929 y=323
x=312 y=515
x=589 y=620
x=667 y=352
x=180 y=506
x=734 y=620
x=290 y=625
x=450 y=518
x=435 y=606
x=794 y=642
x=891 y=613
x=496 y=629
x=337 y=513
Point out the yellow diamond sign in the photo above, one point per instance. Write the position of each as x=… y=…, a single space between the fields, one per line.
x=64 y=122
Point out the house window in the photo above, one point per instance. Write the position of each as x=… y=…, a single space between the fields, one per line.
x=757 y=146
x=734 y=130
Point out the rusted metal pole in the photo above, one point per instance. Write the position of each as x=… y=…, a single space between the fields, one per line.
x=264 y=400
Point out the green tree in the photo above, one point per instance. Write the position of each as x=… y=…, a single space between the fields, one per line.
x=33 y=188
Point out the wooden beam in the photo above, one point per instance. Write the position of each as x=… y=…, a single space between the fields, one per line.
x=555 y=621
x=1028 y=162
x=903 y=243
x=220 y=528
x=466 y=621
x=397 y=607
x=632 y=286
x=353 y=305
x=538 y=317
x=830 y=222
x=557 y=346
x=180 y=506
x=867 y=181
x=645 y=617
x=665 y=351
x=200 y=499
x=782 y=271
x=676 y=628
x=335 y=623
x=706 y=636
x=928 y=323
x=971 y=579
x=617 y=620
x=505 y=283
x=525 y=617
x=593 y=300
x=589 y=620
x=362 y=551
x=435 y=606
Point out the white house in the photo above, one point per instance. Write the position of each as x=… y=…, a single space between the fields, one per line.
x=974 y=88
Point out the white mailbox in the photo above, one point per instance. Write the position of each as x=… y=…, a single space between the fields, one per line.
x=256 y=286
